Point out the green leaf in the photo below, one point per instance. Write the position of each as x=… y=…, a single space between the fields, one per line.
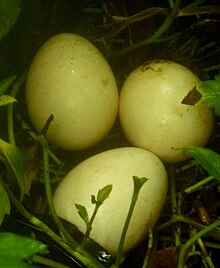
x=208 y=159
x=4 y=204
x=15 y=160
x=83 y=213
x=103 y=194
x=210 y=91
x=6 y=99
x=6 y=83
x=9 y=11
x=5 y=261
x=19 y=247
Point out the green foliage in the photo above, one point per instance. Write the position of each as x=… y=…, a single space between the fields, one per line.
x=9 y=11
x=102 y=195
x=4 y=86
x=6 y=99
x=14 y=160
x=82 y=211
x=5 y=261
x=210 y=93
x=4 y=203
x=208 y=159
x=15 y=248
x=6 y=83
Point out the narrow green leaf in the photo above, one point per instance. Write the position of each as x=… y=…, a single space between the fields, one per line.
x=15 y=159
x=208 y=159
x=83 y=213
x=6 y=99
x=104 y=193
x=6 y=83
x=9 y=11
x=17 y=246
x=4 y=203
x=210 y=91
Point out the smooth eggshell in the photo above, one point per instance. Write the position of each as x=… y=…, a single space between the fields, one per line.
x=116 y=167
x=70 y=79
x=152 y=115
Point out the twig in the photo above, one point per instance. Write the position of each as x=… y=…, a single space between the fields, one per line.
x=165 y=25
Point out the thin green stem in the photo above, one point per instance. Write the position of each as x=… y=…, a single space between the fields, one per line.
x=89 y=225
x=48 y=191
x=211 y=68
x=149 y=248
x=206 y=256
x=209 y=261
x=195 y=3
x=174 y=205
x=165 y=25
x=177 y=219
x=207 y=243
x=10 y=107
x=171 y=3
x=45 y=261
x=138 y=183
x=81 y=256
x=193 y=239
x=199 y=185
x=35 y=137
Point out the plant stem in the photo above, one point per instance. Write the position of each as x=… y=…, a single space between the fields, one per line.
x=87 y=258
x=89 y=225
x=192 y=240
x=175 y=207
x=138 y=183
x=171 y=3
x=166 y=24
x=170 y=239
x=211 y=68
x=149 y=248
x=199 y=185
x=48 y=191
x=10 y=107
x=41 y=260
x=177 y=219
x=82 y=256
x=35 y=137
x=206 y=256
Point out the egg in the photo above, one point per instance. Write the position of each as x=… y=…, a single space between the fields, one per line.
x=153 y=116
x=70 y=79
x=114 y=167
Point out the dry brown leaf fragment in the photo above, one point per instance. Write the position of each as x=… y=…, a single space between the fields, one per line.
x=164 y=258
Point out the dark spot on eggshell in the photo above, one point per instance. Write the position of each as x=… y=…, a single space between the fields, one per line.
x=105 y=82
x=147 y=65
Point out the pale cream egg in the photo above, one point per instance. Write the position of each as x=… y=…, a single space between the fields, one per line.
x=70 y=79
x=115 y=167
x=153 y=116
